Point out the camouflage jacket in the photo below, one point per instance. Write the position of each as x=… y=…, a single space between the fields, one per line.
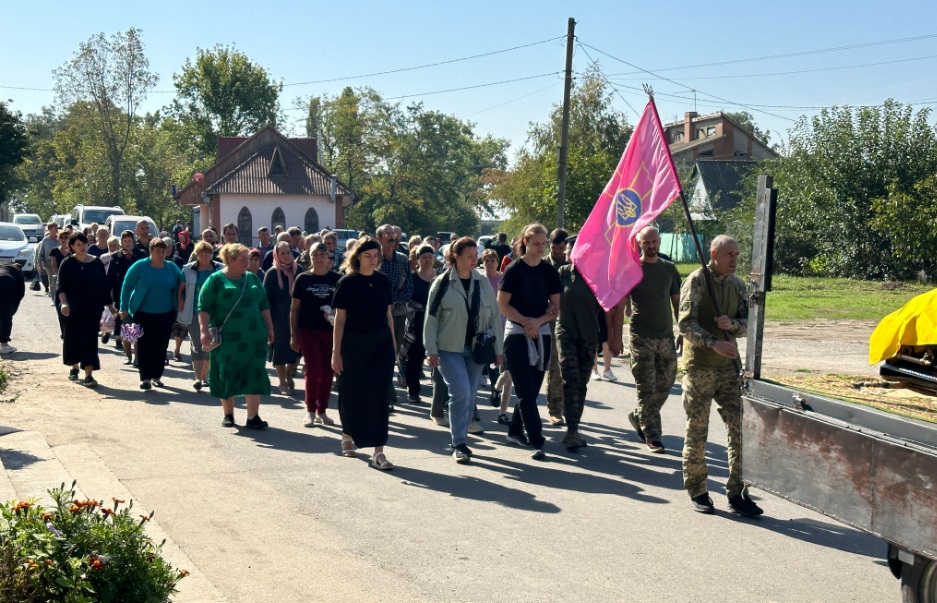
x=697 y=322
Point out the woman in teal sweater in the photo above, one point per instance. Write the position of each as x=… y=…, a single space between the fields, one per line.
x=151 y=296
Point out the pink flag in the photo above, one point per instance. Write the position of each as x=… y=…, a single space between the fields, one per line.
x=644 y=185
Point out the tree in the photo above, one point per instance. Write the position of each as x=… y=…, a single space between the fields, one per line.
x=224 y=93
x=13 y=147
x=108 y=78
x=855 y=186
x=598 y=136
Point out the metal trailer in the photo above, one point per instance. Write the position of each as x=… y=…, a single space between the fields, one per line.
x=869 y=469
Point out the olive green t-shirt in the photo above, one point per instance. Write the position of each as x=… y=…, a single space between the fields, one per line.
x=651 y=309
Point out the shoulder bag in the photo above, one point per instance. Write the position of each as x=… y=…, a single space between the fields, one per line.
x=215 y=332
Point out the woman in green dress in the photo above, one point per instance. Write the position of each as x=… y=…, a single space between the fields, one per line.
x=235 y=299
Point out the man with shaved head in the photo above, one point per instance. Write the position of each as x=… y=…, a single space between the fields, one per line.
x=709 y=359
x=652 y=306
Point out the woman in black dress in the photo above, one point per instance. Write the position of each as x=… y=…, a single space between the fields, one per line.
x=278 y=281
x=363 y=351
x=83 y=291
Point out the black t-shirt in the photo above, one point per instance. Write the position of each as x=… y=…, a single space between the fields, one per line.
x=58 y=255
x=530 y=287
x=140 y=251
x=502 y=250
x=420 y=290
x=314 y=291
x=97 y=251
x=365 y=300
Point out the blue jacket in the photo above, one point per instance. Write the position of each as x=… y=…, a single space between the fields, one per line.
x=136 y=284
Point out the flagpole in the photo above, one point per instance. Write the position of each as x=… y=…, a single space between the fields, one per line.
x=699 y=249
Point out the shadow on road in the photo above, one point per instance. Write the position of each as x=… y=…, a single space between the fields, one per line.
x=828 y=534
x=14 y=459
x=32 y=355
x=472 y=488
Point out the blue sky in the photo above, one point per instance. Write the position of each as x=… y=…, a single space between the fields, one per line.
x=302 y=41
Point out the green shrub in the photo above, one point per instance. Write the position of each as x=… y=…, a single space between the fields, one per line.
x=80 y=551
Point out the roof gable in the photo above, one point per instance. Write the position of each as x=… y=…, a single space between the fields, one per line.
x=246 y=169
x=723 y=181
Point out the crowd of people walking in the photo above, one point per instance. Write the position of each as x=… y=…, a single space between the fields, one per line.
x=353 y=316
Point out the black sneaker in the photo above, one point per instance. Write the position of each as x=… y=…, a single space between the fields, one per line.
x=255 y=422
x=745 y=507
x=145 y=386
x=656 y=446
x=413 y=399
x=157 y=383
x=198 y=386
x=89 y=381
x=504 y=419
x=228 y=421
x=703 y=504
x=538 y=454
x=518 y=440
x=73 y=375
x=496 y=398
x=633 y=419
x=105 y=338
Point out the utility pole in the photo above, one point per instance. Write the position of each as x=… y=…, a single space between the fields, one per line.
x=564 y=132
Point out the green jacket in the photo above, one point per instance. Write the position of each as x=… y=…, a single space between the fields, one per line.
x=697 y=321
x=446 y=331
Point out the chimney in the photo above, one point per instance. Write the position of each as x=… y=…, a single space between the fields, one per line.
x=689 y=133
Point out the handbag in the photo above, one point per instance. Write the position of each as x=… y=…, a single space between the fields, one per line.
x=216 y=332
x=483 y=344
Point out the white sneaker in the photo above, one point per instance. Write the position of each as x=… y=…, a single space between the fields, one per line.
x=595 y=375
x=475 y=428
x=608 y=375
x=7 y=349
x=441 y=421
x=309 y=420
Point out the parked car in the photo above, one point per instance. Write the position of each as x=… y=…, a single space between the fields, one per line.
x=31 y=224
x=344 y=234
x=15 y=246
x=62 y=220
x=117 y=224
x=85 y=215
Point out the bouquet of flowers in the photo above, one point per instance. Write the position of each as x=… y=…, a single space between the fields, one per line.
x=131 y=332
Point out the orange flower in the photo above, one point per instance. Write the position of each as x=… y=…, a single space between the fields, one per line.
x=47 y=516
x=105 y=511
x=183 y=573
x=22 y=506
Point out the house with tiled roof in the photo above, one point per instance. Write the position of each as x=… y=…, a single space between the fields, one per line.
x=266 y=180
x=713 y=136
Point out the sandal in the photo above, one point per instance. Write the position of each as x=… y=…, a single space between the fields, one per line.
x=348 y=447
x=379 y=461
x=285 y=391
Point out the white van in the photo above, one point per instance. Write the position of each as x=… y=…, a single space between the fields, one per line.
x=85 y=215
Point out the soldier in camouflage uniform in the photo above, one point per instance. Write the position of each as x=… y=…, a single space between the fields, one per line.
x=653 y=352
x=577 y=335
x=557 y=258
x=709 y=361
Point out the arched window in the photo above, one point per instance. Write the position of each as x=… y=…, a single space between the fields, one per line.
x=311 y=223
x=245 y=227
x=278 y=219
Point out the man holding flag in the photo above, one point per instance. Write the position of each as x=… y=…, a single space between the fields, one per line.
x=644 y=184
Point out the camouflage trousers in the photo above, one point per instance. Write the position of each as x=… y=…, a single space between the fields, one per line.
x=555 y=387
x=654 y=367
x=700 y=388
x=575 y=368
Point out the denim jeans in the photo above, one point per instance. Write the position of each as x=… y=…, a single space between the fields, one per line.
x=463 y=378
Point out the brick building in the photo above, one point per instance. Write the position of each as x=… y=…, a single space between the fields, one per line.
x=713 y=136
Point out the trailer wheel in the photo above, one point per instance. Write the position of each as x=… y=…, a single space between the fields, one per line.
x=919 y=581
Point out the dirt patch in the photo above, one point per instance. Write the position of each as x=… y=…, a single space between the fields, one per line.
x=840 y=331
x=877 y=393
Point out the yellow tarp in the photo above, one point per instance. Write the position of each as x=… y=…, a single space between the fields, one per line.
x=915 y=324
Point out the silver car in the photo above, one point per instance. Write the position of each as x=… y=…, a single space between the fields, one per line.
x=15 y=246
x=32 y=225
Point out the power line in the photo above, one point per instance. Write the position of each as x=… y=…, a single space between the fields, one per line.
x=553 y=85
x=667 y=79
x=728 y=77
x=786 y=55
x=594 y=62
x=425 y=66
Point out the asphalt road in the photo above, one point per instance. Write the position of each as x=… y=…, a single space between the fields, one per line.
x=280 y=516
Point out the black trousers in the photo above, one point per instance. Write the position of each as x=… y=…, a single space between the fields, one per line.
x=527 y=381
x=151 y=348
x=8 y=308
